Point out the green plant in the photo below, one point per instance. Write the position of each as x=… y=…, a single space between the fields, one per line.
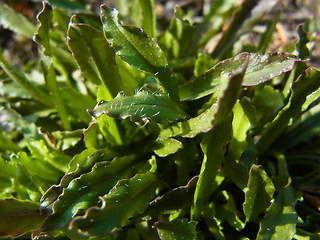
x=179 y=144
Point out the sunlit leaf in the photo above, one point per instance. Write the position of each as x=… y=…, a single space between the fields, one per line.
x=17 y=76
x=165 y=147
x=258 y=194
x=176 y=230
x=227 y=96
x=149 y=17
x=42 y=35
x=261 y=68
x=94 y=56
x=281 y=218
x=137 y=49
x=141 y=107
x=16 y=21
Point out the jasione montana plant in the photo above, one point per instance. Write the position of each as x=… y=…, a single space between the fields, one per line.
x=124 y=132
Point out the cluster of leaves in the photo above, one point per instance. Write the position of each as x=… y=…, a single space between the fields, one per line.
x=179 y=145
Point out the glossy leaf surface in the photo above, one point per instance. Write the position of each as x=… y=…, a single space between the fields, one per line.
x=141 y=107
x=127 y=198
x=260 y=68
x=137 y=49
x=227 y=95
x=176 y=229
x=84 y=192
x=95 y=57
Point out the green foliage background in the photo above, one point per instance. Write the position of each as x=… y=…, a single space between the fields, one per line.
x=125 y=125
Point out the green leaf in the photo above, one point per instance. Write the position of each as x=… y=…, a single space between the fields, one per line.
x=149 y=17
x=192 y=127
x=266 y=37
x=17 y=76
x=302 y=48
x=18 y=217
x=137 y=49
x=141 y=107
x=167 y=146
x=127 y=198
x=226 y=210
x=92 y=52
x=51 y=80
x=243 y=119
x=173 y=200
x=177 y=229
x=281 y=218
x=26 y=180
x=7 y=170
x=42 y=35
x=258 y=194
x=177 y=38
x=212 y=146
x=227 y=95
x=16 y=21
x=268 y=101
x=250 y=12
x=202 y=64
x=79 y=103
x=261 y=68
x=40 y=169
x=307 y=83
x=84 y=191
x=67 y=4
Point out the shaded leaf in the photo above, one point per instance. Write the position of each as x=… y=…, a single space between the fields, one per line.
x=226 y=210
x=177 y=229
x=127 y=198
x=176 y=40
x=173 y=200
x=16 y=21
x=137 y=49
x=94 y=56
x=258 y=194
x=18 y=217
x=261 y=68
x=307 y=83
x=141 y=107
